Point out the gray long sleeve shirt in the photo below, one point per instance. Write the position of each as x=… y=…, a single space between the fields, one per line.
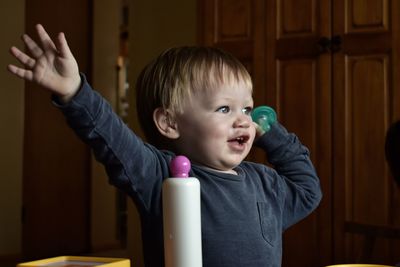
x=242 y=216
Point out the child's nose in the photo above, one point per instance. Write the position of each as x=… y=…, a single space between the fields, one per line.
x=242 y=120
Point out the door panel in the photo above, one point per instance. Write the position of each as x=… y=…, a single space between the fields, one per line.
x=229 y=11
x=299 y=75
x=229 y=26
x=366 y=16
x=366 y=118
x=296 y=17
x=282 y=57
x=296 y=86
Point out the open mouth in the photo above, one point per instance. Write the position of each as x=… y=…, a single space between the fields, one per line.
x=240 y=140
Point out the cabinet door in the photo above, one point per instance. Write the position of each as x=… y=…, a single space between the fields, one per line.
x=299 y=85
x=366 y=97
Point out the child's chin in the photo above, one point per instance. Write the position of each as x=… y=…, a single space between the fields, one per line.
x=232 y=165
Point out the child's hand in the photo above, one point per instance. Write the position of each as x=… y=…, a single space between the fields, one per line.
x=259 y=130
x=51 y=65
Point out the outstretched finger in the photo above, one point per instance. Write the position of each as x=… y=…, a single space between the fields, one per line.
x=259 y=130
x=20 y=72
x=22 y=57
x=44 y=38
x=35 y=50
x=62 y=46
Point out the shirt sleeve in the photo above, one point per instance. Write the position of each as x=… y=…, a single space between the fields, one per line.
x=133 y=166
x=298 y=181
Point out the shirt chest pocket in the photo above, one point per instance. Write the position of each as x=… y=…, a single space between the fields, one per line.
x=270 y=229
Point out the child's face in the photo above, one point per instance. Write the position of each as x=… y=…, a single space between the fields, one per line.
x=215 y=127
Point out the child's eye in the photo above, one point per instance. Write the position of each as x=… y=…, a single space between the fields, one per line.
x=223 y=109
x=247 y=110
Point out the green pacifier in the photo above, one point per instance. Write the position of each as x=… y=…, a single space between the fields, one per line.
x=264 y=116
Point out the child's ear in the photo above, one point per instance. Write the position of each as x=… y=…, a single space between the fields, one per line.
x=165 y=123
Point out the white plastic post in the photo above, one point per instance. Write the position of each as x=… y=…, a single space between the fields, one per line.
x=182 y=217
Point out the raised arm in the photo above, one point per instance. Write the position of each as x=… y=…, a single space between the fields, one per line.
x=300 y=183
x=49 y=64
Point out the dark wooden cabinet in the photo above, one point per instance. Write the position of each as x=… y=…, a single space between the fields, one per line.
x=331 y=70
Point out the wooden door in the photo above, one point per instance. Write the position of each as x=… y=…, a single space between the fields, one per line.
x=366 y=98
x=298 y=72
x=282 y=55
x=56 y=175
x=330 y=69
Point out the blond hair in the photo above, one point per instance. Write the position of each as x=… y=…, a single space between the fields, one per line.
x=178 y=73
